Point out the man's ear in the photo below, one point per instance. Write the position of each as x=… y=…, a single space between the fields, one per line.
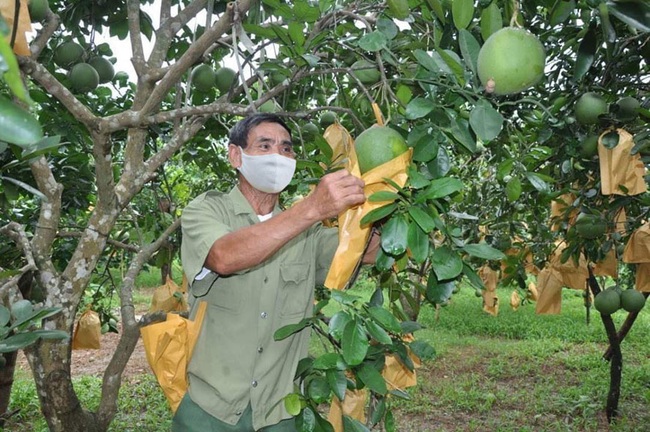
x=234 y=155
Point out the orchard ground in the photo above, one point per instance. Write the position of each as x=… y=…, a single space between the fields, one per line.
x=514 y=372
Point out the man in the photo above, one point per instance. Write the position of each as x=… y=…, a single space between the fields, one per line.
x=257 y=267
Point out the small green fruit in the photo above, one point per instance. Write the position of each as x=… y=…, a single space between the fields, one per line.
x=224 y=79
x=607 y=301
x=590 y=226
x=366 y=71
x=310 y=130
x=270 y=106
x=510 y=61
x=68 y=54
x=628 y=108
x=38 y=10
x=104 y=68
x=589 y=146
x=327 y=118
x=589 y=107
x=203 y=78
x=83 y=77
x=632 y=300
x=378 y=145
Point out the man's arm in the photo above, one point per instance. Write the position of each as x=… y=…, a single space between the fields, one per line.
x=250 y=246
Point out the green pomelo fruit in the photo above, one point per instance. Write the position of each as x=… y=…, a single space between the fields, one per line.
x=269 y=107
x=104 y=69
x=38 y=10
x=628 y=108
x=377 y=145
x=310 y=130
x=607 y=301
x=590 y=226
x=68 y=54
x=588 y=107
x=632 y=300
x=589 y=146
x=327 y=118
x=203 y=78
x=83 y=77
x=510 y=61
x=366 y=71
x=224 y=78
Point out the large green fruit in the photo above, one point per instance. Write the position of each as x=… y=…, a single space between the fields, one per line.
x=607 y=301
x=310 y=130
x=377 y=145
x=68 y=54
x=104 y=68
x=632 y=300
x=628 y=108
x=83 y=77
x=203 y=78
x=588 y=107
x=270 y=106
x=224 y=79
x=366 y=71
x=38 y=10
x=590 y=226
x=511 y=60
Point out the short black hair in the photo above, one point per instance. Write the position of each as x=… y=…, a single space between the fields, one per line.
x=239 y=132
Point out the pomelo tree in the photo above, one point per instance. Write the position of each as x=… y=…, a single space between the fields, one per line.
x=121 y=158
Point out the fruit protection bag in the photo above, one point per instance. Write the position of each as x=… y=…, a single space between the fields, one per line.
x=169 y=346
x=88 y=331
x=637 y=251
x=621 y=172
x=169 y=297
x=7 y=10
x=353 y=237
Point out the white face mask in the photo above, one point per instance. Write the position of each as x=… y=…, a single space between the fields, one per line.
x=269 y=173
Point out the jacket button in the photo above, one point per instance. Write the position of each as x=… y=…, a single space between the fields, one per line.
x=264 y=315
x=254 y=383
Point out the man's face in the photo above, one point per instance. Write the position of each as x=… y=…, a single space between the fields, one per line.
x=263 y=139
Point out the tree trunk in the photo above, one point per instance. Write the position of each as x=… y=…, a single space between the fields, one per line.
x=6 y=382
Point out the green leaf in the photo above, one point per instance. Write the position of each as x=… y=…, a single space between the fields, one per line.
x=378 y=333
x=537 y=182
x=418 y=108
x=354 y=343
x=485 y=121
x=513 y=189
x=318 y=389
x=440 y=188
x=418 y=242
x=5 y=316
x=409 y=327
x=462 y=12
x=18 y=341
x=439 y=292
x=372 y=378
x=18 y=126
x=377 y=214
x=306 y=420
x=385 y=319
x=469 y=48
x=292 y=404
x=327 y=361
x=383 y=196
x=11 y=70
x=634 y=14
x=561 y=11
x=373 y=42
x=344 y=297
x=338 y=383
x=484 y=251
x=460 y=131
x=452 y=61
x=384 y=262
x=491 y=20
x=423 y=350
x=353 y=425
x=377 y=298
x=422 y=218
x=446 y=263
x=586 y=53
x=394 y=235
x=288 y=330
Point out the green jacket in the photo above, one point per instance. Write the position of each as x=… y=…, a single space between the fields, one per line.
x=236 y=361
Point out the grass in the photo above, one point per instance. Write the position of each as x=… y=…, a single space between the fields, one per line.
x=515 y=372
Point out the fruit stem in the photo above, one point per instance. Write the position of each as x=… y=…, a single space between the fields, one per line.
x=531 y=101
x=515 y=13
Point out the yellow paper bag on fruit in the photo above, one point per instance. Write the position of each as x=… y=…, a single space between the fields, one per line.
x=608 y=266
x=169 y=298
x=353 y=237
x=88 y=331
x=571 y=274
x=637 y=249
x=490 y=299
x=549 y=287
x=7 y=10
x=642 y=282
x=621 y=172
x=169 y=346
x=353 y=405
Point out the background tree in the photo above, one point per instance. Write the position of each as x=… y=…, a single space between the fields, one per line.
x=134 y=151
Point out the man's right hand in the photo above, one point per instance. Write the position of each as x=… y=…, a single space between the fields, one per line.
x=336 y=192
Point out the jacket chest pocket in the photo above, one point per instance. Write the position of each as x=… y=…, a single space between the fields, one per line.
x=295 y=292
